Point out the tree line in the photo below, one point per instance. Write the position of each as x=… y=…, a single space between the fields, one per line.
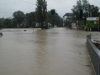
x=81 y=10
x=38 y=18
x=21 y=20
x=84 y=9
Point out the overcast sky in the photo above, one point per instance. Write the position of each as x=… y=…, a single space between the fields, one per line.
x=8 y=7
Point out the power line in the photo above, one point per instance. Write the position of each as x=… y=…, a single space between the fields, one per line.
x=30 y=3
x=27 y=2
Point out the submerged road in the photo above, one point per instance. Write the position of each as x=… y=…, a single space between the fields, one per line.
x=57 y=51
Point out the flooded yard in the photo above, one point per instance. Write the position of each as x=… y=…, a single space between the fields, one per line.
x=57 y=51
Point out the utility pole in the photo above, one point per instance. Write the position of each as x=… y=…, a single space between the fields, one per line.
x=81 y=9
x=89 y=10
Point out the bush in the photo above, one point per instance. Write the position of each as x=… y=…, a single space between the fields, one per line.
x=1 y=24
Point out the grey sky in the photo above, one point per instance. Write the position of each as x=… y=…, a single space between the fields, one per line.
x=7 y=7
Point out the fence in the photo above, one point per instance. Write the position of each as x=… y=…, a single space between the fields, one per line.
x=94 y=55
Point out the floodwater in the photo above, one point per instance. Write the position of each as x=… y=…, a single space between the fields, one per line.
x=57 y=51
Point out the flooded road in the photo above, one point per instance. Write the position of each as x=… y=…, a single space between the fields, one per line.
x=57 y=51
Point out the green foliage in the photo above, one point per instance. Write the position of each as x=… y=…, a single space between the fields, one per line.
x=1 y=24
x=88 y=11
x=94 y=10
x=19 y=17
x=34 y=24
x=76 y=9
x=30 y=18
x=41 y=12
x=8 y=23
x=39 y=18
x=14 y=23
x=55 y=19
x=67 y=23
x=53 y=11
x=86 y=7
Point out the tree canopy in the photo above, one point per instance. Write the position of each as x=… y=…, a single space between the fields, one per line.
x=88 y=10
x=38 y=18
x=8 y=23
x=41 y=12
x=19 y=17
x=55 y=19
x=30 y=18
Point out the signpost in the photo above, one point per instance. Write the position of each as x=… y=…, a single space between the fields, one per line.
x=92 y=22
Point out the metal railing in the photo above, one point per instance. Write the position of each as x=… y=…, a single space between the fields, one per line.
x=94 y=55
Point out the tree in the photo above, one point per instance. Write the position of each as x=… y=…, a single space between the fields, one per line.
x=14 y=23
x=80 y=6
x=67 y=23
x=8 y=23
x=55 y=19
x=86 y=8
x=41 y=12
x=30 y=18
x=1 y=24
x=19 y=17
x=94 y=11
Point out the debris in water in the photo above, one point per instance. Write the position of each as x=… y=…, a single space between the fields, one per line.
x=1 y=34
x=88 y=65
x=25 y=30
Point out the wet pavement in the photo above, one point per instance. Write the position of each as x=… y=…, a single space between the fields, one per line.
x=57 y=51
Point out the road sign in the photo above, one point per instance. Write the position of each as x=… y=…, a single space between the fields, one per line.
x=92 y=18
x=92 y=22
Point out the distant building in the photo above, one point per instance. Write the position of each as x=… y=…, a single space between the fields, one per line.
x=68 y=16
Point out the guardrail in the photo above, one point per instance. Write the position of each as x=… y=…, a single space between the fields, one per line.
x=94 y=55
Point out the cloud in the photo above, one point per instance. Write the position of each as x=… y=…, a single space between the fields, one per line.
x=61 y=6
x=7 y=7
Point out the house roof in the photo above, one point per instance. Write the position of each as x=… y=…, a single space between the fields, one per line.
x=68 y=14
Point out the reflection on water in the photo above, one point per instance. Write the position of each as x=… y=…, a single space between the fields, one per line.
x=43 y=52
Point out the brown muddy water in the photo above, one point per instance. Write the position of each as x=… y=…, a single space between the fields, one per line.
x=57 y=51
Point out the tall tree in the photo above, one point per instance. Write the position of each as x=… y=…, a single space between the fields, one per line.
x=19 y=17
x=41 y=12
x=81 y=5
x=88 y=10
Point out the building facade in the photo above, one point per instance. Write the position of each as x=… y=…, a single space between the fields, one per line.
x=67 y=16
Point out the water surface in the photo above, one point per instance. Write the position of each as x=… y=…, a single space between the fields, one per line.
x=57 y=51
